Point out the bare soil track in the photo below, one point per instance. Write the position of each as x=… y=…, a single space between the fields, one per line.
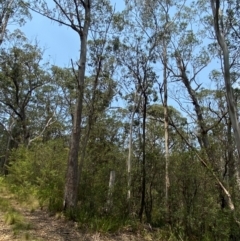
x=43 y=227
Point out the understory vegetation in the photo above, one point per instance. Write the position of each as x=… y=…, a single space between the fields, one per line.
x=141 y=132
x=195 y=201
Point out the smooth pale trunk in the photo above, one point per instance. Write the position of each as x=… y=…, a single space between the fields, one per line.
x=227 y=77
x=109 y=203
x=232 y=107
x=166 y=124
x=143 y=191
x=130 y=152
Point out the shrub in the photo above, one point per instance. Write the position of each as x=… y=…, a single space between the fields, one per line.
x=39 y=171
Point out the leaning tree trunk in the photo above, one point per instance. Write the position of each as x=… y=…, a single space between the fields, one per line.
x=204 y=142
x=203 y=135
x=72 y=177
x=215 y=4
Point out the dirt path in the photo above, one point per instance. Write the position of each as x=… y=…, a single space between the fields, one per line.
x=40 y=226
x=5 y=231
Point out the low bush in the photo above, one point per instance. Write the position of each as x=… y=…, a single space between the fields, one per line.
x=39 y=171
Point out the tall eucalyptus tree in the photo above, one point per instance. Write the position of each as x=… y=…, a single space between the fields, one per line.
x=137 y=57
x=225 y=29
x=90 y=19
x=77 y=16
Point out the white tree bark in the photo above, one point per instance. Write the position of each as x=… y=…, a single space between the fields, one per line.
x=166 y=125
x=215 y=4
x=109 y=203
x=129 y=159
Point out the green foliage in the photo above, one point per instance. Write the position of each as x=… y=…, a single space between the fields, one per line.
x=26 y=93
x=16 y=219
x=39 y=171
x=105 y=223
x=4 y=204
x=125 y=55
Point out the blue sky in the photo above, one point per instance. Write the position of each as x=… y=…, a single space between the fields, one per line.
x=61 y=44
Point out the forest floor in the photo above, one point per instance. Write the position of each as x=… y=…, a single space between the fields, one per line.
x=19 y=221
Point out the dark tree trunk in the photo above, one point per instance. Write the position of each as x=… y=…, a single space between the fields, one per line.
x=72 y=176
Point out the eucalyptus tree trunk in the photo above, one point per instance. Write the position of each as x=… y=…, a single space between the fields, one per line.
x=109 y=203
x=232 y=107
x=233 y=170
x=166 y=126
x=143 y=187
x=77 y=16
x=129 y=159
x=129 y=162
x=203 y=131
x=203 y=135
x=209 y=168
x=72 y=176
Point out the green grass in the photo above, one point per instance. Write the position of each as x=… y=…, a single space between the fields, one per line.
x=4 y=204
x=11 y=216
x=17 y=221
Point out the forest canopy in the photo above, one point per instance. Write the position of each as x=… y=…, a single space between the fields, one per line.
x=142 y=128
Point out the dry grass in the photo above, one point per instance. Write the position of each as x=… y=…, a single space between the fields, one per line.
x=26 y=221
